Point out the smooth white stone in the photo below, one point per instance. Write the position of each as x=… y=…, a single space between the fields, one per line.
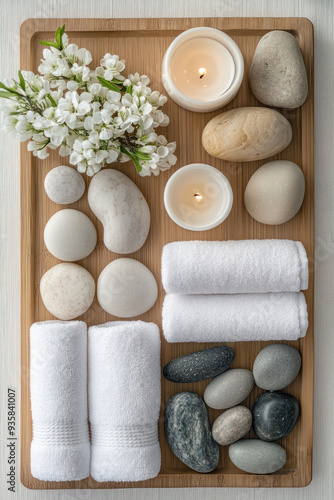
x=126 y=288
x=67 y=290
x=70 y=235
x=64 y=185
x=121 y=207
x=275 y=192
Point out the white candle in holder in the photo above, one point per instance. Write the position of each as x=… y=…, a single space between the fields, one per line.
x=202 y=69
x=198 y=197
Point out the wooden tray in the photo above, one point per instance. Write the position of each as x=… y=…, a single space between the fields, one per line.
x=142 y=43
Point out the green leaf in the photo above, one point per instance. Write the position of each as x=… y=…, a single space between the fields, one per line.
x=62 y=30
x=58 y=38
x=7 y=95
x=3 y=86
x=133 y=158
x=48 y=44
x=108 y=85
x=22 y=81
x=51 y=99
x=142 y=156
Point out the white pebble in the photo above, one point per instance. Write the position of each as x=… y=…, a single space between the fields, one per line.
x=126 y=288
x=64 y=185
x=67 y=290
x=70 y=235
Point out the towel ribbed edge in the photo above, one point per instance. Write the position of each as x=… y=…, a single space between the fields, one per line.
x=60 y=433
x=138 y=436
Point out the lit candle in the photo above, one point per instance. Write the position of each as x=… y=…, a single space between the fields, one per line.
x=202 y=69
x=198 y=197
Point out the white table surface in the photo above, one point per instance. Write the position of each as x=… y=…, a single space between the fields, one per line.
x=321 y=13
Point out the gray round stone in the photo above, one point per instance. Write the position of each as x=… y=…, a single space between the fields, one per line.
x=257 y=457
x=232 y=425
x=276 y=366
x=277 y=75
x=64 y=185
x=274 y=415
x=199 y=365
x=188 y=432
x=229 y=389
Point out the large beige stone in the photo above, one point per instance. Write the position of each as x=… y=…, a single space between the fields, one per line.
x=277 y=75
x=275 y=192
x=247 y=134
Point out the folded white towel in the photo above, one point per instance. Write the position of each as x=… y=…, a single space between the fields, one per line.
x=60 y=448
x=232 y=318
x=227 y=267
x=124 y=378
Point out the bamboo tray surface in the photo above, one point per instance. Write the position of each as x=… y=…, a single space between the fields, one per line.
x=142 y=43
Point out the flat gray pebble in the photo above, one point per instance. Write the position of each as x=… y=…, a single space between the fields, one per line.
x=276 y=366
x=257 y=457
x=229 y=389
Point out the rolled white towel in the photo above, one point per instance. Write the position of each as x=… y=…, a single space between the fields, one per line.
x=60 y=448
x=124 y=400
x=227 y=267
x=232 y=318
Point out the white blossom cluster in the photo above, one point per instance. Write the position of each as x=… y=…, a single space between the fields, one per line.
x=94 y=117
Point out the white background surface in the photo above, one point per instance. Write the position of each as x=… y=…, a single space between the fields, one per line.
x=320 y=12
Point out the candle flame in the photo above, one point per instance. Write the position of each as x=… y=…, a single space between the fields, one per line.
x=198 y=197
x=202 y=72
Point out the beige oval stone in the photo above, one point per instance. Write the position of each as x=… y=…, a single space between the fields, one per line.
x=232 y=425
x=277 y=75
x=275 y=192
x=247 y=134
x=67 y=290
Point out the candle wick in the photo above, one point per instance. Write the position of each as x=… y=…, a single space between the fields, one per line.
x=202 y=72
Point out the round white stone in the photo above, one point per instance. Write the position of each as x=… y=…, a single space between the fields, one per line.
x=70 y=235
x=67 y=290
x=126 y=288
x=275 y=192
x=64 y=185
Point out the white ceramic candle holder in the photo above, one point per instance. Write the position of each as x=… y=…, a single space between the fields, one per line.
x=198 y=197
x=202 y=69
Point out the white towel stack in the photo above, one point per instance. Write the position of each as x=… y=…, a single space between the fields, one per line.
x=227 y=291
x=124 y=400
x=60 y=448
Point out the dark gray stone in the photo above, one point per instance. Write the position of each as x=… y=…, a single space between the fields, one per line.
x=199 y=365
x=276 y=366
x=188 y=432
x=274 y=415
x=256 y=456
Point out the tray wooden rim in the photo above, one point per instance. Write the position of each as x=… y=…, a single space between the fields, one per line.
x=303 y=28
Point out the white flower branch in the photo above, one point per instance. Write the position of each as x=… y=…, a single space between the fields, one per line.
x=94 y=117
